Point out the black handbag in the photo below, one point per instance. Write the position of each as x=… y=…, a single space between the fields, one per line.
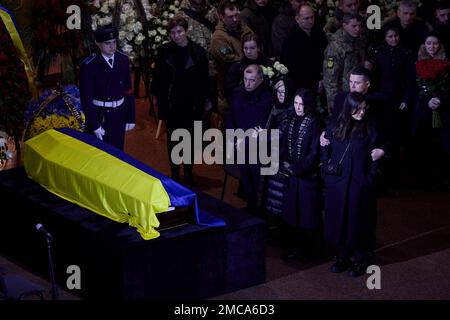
x=335 y=169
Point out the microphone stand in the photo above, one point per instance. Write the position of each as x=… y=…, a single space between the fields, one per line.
x=50 y=267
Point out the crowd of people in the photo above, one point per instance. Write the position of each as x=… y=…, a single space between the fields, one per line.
x=382 y=113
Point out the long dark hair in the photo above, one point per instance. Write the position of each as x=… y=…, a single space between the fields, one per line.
x=346 y=125
x=309 y=100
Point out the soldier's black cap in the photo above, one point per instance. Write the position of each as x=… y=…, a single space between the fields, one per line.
x=105 y=33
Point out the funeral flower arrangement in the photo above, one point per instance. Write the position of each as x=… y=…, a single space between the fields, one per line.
x=140 y=24
x=5 y=154
x=275 y=73
x=158 y=33
x=130 y=24
x=433 y=78
x=56 y=108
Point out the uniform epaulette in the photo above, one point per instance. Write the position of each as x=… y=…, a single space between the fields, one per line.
x=89 y=59
x=124 y=54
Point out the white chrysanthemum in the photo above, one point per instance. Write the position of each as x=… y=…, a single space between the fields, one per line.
x=163 y=32
x=171 y=15
x=158 y=39
x=138 y=41
x=165 y=14
x=137 y=27
x=165 y=23
x=107 y=20
x=126 y=7
x=104 y=9
x=172 y=7
x=130 y=36
x=127 y=48
x=122 y=35
x=176 y=3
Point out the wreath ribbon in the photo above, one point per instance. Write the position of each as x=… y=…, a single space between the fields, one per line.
x=8 y=20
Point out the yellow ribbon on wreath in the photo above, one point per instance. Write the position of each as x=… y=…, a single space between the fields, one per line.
x=7 y=19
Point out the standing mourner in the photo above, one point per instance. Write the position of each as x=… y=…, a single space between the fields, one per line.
x=431 y=117
x=349 y=172
x=258 y=15
x=106 y=91
x=442 y=22
x=180 y=88
x=226 y=45
x=299 y=158
x=250 y=106
x=345 y=51
x=202 y=19
x=303 y=50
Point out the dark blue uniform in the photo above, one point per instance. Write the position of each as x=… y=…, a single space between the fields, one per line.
x=101 y=83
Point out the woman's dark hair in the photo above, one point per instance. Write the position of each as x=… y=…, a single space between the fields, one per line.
x=346 y=125
x=387 y=28
x=309 y=100
x=177 y=20
x=250 y=37
x=434 y=34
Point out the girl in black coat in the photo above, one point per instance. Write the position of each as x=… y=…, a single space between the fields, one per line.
x=350 y=204
x=299 y=159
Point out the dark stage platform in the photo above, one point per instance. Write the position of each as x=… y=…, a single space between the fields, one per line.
x=186 y=262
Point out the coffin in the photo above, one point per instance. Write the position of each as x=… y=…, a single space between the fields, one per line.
x=84 y=170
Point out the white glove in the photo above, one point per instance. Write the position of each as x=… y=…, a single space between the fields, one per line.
x=100 y=132
x=129 y=126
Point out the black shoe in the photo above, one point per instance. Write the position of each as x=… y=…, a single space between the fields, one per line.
x=357 y=269
x=341 y=265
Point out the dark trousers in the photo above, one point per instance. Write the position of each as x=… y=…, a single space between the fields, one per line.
x=171 y=126
x=113 y=122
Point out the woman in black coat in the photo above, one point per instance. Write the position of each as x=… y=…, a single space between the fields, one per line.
x=394 y=77
x=349 y=173
x=180 y=87
x=431 y=117
x=299 y=159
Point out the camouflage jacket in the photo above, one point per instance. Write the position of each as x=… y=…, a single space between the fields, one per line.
x=342 y=54
x=226 y=49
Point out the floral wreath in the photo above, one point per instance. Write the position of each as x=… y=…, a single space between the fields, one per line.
x=57 y=108
x=136 y=28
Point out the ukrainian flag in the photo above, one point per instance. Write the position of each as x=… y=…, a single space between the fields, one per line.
x=86 y=171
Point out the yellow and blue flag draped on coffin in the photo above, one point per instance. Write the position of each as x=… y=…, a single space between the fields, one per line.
x=94 y=179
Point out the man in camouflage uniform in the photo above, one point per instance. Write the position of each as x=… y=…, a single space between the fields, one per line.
x=226 y=44
x=345 y=51
x=343 y=7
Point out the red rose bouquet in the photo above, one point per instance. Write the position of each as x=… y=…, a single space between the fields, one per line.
x=433 y=78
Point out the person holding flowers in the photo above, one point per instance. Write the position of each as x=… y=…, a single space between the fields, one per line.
x=431 y=118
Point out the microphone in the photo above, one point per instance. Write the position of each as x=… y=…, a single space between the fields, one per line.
x=40 y=228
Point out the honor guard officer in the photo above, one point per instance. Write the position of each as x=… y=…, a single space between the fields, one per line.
x=105 y=88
